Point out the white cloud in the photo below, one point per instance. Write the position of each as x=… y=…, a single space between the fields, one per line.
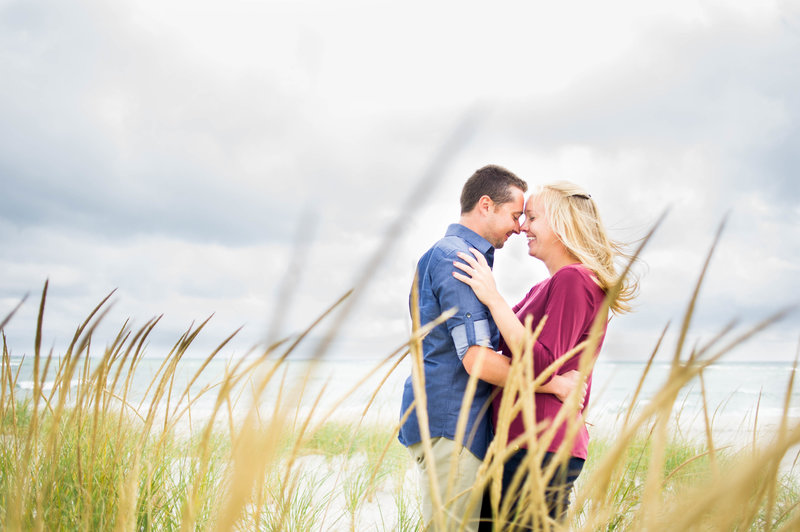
x=171 y=149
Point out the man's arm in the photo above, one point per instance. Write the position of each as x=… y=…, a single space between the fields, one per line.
x=494 y=369
x=493 y=366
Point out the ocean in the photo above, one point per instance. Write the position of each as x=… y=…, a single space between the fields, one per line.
x=738 y=394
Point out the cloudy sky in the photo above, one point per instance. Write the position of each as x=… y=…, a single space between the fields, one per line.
x=199 y=156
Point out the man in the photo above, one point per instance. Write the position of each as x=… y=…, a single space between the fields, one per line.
x=491 y=204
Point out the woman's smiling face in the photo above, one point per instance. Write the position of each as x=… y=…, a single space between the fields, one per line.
x=543 y=243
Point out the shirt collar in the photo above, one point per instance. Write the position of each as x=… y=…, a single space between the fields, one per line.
x=473 y=239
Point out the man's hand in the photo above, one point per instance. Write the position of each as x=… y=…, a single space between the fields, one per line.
x=563 y=385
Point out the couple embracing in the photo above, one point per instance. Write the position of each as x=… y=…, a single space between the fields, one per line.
x=564 y=231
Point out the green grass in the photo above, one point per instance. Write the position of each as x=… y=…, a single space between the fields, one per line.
x=82 y=482
x=86 y=457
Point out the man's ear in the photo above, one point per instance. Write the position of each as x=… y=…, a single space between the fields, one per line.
x=485 y=203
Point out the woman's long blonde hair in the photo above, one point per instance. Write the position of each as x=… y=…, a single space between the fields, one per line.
x=573 y=215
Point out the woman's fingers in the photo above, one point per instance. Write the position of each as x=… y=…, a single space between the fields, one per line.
x=478 y=274
x=478 y=262
x=462 y=266
x=468 y=259
x=479 y=256
x=463 y=278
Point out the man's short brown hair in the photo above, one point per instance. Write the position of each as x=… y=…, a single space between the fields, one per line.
x=493 y=181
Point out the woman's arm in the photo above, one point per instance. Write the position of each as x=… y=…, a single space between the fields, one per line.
x=494 y=369
x=495 y=366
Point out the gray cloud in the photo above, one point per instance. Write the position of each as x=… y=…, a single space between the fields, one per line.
x=729 y=90
x=180 y=158
x=101 y=126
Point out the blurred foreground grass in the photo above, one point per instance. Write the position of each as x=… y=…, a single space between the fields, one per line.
x=82 y=454
x=340 y=476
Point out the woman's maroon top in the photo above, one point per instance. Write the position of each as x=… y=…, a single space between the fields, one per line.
x=570 y=299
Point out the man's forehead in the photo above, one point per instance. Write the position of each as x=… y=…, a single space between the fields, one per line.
x=518 y=200
x=515 y=206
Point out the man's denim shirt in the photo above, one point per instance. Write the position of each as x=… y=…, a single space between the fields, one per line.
x=443 y=348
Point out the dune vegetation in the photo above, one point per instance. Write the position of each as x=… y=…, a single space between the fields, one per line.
x=82 y=453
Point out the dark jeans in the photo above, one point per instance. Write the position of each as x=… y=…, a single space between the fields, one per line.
x=556 y=493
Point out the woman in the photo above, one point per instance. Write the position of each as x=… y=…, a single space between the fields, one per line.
x=565 y=232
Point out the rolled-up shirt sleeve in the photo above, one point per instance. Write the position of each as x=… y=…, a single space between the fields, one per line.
x=460 y=339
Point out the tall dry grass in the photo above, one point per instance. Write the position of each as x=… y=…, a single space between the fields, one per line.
x=737 y=491
x=82 y=453
x=85 y=454
x=88 y=457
